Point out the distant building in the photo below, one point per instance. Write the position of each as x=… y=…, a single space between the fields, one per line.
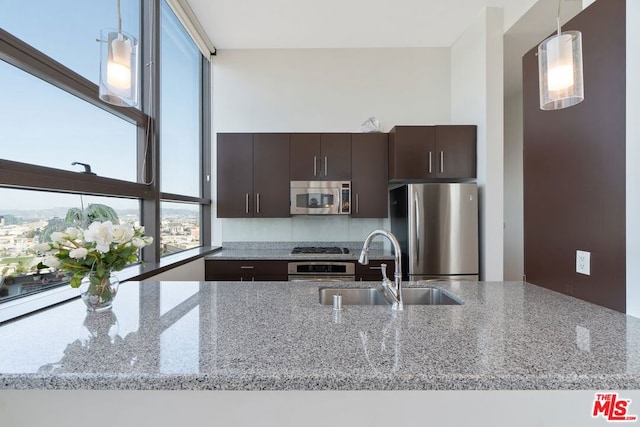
x=1 y=220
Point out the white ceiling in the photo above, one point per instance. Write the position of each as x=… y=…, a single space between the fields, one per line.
x=261 y=24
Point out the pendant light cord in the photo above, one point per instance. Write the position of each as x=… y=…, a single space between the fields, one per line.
x=119 y=17
x=559 y=3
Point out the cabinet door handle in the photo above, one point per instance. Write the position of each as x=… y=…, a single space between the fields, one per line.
x=315 y=166
x=441 y=161
x=357 y=202
x=247 y=267
x=430 y=161
x=375 y=268
x=326 y=166
x=257 y=202
x=246 y=203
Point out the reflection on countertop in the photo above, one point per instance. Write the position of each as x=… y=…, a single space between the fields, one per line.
x=276 y=336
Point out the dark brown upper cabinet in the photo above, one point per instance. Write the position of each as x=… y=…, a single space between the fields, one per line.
x=320 y=157
x=369 y=162
x=235 y=175
x=418 y=153
x=251 y=179
x=456 y=151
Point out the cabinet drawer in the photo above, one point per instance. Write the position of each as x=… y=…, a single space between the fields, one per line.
x=245 y=270
x=371 y=272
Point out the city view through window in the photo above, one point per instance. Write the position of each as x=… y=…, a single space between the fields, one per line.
x=29 y=217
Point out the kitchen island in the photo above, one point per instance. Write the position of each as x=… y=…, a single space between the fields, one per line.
x=275 y=336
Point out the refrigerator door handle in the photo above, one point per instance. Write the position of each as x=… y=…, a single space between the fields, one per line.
x=417 y=227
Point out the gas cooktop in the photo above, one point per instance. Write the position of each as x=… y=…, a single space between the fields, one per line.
x=319 y=250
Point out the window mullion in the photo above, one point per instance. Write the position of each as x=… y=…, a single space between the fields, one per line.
x=27 y=176
x=205 y=153
x=149 y=141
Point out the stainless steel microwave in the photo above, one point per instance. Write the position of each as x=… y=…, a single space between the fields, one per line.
x=320 y=197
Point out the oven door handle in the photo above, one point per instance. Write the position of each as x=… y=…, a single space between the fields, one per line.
x=322 y=279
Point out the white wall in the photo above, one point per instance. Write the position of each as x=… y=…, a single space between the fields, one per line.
x=513 y=11
x=477 y=97
x=513 y=187
x=633 y=158
x=323 y=90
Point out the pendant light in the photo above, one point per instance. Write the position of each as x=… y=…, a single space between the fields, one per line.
x=118 y=66
x=560 y=69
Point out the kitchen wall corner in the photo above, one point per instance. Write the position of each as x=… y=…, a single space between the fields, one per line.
x=477 y=97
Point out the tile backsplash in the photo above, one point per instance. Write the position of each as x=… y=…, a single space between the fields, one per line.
x=300 y=229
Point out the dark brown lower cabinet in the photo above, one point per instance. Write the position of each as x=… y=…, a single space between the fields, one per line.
x=372 y=271
x=252 y=270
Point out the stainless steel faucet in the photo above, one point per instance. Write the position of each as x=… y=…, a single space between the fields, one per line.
x=392 y=289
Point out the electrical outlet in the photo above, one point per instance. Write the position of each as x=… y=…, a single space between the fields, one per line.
x=583 y=262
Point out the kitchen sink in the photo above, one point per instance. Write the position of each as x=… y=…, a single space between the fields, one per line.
x=428 y=296
x=353 y=296
x=371 y=296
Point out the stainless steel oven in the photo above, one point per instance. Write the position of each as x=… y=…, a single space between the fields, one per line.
x=322 y=271
x=320 y=197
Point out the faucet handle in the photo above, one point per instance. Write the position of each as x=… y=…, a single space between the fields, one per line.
x=383 y=269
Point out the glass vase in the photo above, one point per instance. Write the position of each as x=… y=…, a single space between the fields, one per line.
x=97 y=292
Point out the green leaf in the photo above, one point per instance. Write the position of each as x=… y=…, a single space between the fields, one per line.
x=75 y=281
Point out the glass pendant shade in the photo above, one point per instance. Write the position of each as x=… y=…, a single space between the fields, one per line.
x=560 y=71
x=118 y=68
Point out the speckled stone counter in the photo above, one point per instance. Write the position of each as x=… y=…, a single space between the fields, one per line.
x=281 y=254
x=282 y=251
x=276 y=336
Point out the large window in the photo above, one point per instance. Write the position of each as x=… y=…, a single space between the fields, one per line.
x=147 y=167
x=181 y=90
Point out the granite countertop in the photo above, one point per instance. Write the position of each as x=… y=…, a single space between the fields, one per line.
x=281 y=254
x=282 y=251
x=276 y=336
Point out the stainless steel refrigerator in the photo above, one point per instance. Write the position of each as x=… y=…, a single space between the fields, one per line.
x=437 y=228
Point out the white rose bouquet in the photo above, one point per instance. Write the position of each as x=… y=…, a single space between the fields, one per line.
x=102 y=248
